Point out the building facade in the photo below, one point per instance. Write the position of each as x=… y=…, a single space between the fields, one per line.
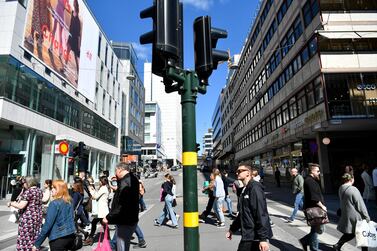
x=171 y=115
x=59 y=82
x=207 y=146
x=217 y=133
x=132 y=118
x=153 y=152
x=305 y=89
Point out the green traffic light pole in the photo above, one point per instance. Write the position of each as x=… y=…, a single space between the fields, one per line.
x=188 y=87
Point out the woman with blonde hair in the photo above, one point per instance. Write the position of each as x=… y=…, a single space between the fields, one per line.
x=30 y=205
x=59 y=226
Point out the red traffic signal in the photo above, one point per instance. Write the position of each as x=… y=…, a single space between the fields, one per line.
x=63 y=147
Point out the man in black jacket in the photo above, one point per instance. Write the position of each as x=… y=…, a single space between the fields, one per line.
x=253 y=219
x=125 y=207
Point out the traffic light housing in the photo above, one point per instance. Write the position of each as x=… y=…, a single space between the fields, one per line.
x=83 y=154
x=205 y=41
x=166 y=36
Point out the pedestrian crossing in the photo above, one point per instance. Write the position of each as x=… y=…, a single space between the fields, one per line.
x=290 y=238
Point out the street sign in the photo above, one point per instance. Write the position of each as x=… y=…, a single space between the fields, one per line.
x=63 y=148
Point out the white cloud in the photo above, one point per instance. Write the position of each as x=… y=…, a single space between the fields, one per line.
x=142 y=52
x=200 y=4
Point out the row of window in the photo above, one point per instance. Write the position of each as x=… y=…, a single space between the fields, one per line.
x=23 y=86
x=283 y=9
x=292 y=35
x=348 y=45
x=304 y=100
x=310 y=10
x=348 y=5
x=290 y=70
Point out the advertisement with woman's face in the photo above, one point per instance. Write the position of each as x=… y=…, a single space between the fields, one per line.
x=55 y=33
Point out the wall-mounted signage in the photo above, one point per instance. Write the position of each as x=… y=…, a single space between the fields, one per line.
x=366 y=87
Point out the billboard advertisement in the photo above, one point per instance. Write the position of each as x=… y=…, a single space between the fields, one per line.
x=64 y=35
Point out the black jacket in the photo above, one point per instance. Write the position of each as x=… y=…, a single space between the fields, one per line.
x=253 y=217
x=125 y=206
x=312 y=192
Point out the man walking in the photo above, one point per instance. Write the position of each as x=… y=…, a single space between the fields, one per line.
x=298 y=191
x=253 y=219
x=313 y=198
x=125 y=207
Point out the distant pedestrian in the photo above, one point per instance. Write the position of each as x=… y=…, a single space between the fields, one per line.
x=47 y=195
x=228 y=200
x=211 y=199
x=30 y=209
x=252 y=219
x=102 y=197
x=353 y=210
x=142 y=191
x=368 y=193
x=277 y=176
x=167 y=197
x=237 y=189
x=313 y=198
x=125 y=207
x=374 y=177
x=59 y=226
x=219 y=193
x=298 y=191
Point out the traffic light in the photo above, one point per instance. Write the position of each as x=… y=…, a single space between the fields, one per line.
x=167 y=34
x=83 y=154
x=205 y=41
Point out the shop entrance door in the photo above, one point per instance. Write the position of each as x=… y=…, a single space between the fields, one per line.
x=12 y=167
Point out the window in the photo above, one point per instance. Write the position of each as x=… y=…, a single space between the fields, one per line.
x=279 y=121
x=305 y=55
x=285 y=113
x=310 y=95
x=268 y=125
x=106 y=51
x=273 y=121
x=99 y=45
x=307 y=13
x=313 y=47
x=318 y=91
x=301 y=102
x=292 y=108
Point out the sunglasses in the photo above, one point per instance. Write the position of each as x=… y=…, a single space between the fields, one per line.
x=241 y=170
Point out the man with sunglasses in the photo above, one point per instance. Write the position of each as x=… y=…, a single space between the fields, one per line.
x=253 y=219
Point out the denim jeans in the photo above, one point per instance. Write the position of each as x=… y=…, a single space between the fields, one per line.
x=229 y=204
x=299 y=201
x=218 y=207
x=123 y=235
x=138 y=232
x=168 y=211
x=311 y=238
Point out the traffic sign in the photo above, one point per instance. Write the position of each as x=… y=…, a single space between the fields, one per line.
x=63 y=147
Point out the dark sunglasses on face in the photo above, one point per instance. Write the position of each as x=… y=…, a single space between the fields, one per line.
x=241 y=170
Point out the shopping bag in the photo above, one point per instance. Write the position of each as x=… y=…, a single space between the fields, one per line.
x=14 y=217
x=105 y=244
x=366 y=234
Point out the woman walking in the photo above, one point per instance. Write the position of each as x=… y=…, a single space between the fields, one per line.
x=219 y=193
x=30 y=206
x=168 y=197
x=77 y=202
x=59 y=226
x=47 y=195
x=102 y=197
x=353 y=210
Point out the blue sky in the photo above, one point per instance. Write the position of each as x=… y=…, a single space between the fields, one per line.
x=120 y=21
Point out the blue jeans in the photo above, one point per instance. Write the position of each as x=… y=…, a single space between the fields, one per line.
x=299 y=202
x=311 y=238
x=138 y=232
x=218 y=207
x=168 y=211
x=229 y=204
x=122 y=237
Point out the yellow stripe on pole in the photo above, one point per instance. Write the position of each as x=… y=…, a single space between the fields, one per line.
x=191 y=219
x=190 y=158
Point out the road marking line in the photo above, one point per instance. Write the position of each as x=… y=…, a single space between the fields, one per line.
x=145 y=211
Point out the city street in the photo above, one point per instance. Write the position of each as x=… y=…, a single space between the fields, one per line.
x=211 y=238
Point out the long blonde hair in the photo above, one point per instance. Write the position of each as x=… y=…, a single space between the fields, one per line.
x=61 y=191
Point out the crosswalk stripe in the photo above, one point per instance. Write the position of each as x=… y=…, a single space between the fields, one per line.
x=282 y=235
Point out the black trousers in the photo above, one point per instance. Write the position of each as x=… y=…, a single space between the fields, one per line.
x=209 y=207
x=95 y=221
x=248 y=246
x=347 y=237
x=62 y=244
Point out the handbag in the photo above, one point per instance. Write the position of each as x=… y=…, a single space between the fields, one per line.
x=316 y=216
x=14 y=217
x=366 y=234
x=77 y=242
x=105 y=244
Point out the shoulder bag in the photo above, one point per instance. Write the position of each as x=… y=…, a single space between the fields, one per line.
x=316 y=216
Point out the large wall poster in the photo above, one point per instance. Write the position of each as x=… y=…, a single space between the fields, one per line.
x=64 y=35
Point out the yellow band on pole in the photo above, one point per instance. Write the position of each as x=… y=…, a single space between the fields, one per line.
x=190 y=158
x=191 y=219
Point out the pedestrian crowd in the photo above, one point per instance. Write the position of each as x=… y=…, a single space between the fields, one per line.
x=68 y=213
